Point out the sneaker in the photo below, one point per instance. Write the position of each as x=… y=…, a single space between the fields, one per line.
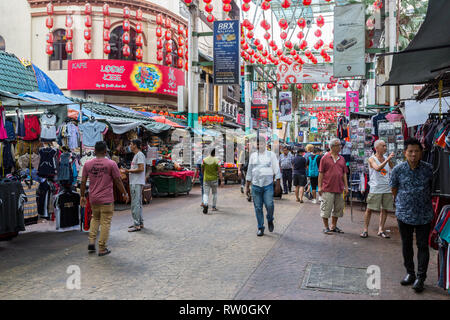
x=205 y=209
x=260 y=232
x=242 y=189
x=314 y=201
x=271 y=226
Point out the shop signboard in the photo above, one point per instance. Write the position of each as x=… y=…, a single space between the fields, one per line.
x=351 y=102
x=349 y=41
x=308 y=73
x=226 y=52
x=123 y=75
x=285 y=106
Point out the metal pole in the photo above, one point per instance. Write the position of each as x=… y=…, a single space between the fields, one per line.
x=81 y=122
x=192 y=77
x=247 y=98
x=392 y=42
x=274 y=114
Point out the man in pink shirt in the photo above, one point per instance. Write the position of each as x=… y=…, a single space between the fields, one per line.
x=102 y=174
x=332 y=183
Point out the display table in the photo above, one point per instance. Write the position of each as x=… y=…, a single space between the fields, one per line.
x=172 y=182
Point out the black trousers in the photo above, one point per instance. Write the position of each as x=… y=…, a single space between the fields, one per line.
x=423 y=254
x=287 y=180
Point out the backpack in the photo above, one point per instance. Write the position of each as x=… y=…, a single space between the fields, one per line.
x=313 y=169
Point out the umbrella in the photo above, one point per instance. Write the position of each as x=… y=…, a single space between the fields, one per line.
x=163 y=119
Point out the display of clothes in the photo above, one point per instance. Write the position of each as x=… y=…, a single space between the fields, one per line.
x=32 y=128
x=10 y=131
x=48 y=127
x=67 y=209
x=375 y=119
x=30 y=210
x=6 y=158
x=68 y=135
x=45 y=197
x=12 y=198
x=442 y=229
x=66 y=169
x=20 y=123
x=3 y=134
x=47 y=162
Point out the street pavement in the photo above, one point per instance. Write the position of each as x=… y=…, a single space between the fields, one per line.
x=184 y=254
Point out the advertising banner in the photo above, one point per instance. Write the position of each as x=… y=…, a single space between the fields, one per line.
x=285 y=106
x=351 y=102
x=123 y=75
x=308 y=73
x=259 y=98
x=349 y=41
x=226 y=52
x=313 y=124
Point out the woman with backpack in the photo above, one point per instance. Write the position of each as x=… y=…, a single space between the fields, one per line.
x=312 y=163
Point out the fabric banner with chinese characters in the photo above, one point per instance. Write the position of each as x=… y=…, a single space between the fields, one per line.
x=285 y=106
x=349 y=41
x=308 y=73
x=123 y=75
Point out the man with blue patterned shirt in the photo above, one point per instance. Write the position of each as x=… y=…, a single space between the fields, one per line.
x=411 y=187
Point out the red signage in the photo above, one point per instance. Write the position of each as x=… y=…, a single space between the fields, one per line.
x=123 y=75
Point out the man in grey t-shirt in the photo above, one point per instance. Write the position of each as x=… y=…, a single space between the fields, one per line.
x=137 y=181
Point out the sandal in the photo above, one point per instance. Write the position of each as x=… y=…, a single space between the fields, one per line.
x=336 y=229
x=383 y=235
x=327 y=231
x=104 y=253
x=364 y=234
x=134 y=229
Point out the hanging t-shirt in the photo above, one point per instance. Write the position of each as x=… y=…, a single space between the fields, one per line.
x=137 y=178
x=48 y=127
x=74 y=136
x=67 y=209
x=47 y=163
x=32 y=128
x=92 y=132
x=3 y=134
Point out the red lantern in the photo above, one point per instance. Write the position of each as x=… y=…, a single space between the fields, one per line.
x=186 y=66
x=169 y=46
x=168 y=35
x=288 y=44
x=139 y=27
x=318 y=33
x=139 y=54
x=106 y=23
x=169 y=60
x=345 y=84
x=126 y=25
x=267 y=36
x=180 y=52
x=209 y=8
x=158 y=32
x=283 y=35
x=186 y=33
x=180 y=29
x=245 y=7
x=300 y=35
x=105 y=9
x=87 y=34
x=299 y=86
x=126 y=13
x=139 y=40
x=301 y=23
x=126 y=50
x=256 y=42
x=159 y=55
x=49 y=38
x=227 y=7
x=315 y=86
x=106 y=35
x=265 y=5
x=88 y=21
x=69 y=34
x=285 y=86
x=106 y=48
x=286 y=4
x=329 y=85
x=260 y=47
x=270 y=85
x=50 y=8
x=87 y=9
x=159 y=43
x=210 y=18
x=168 y=23
x=126 y=38
x=69 y=21
x=307 y=2
x=49 y=22
x=320 y=21
x=139 y=15
x=49 y=49
x=69 y=47
x=87 y=47
x=250 y=34
x=159 y=19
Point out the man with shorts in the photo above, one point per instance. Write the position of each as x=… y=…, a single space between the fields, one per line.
x=332 y=183
x=299 y=171
x=380 y=195
x=313 y=163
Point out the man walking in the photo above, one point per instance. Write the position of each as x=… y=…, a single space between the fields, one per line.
x=262 y=167
x=102 y=173
x=211 y=174
x=137 y=182
x=299 y=167
x=286 y=169
x=380 y=195
x=332 y=182
x=198 y=169
x=411 y=186
x=313 y=163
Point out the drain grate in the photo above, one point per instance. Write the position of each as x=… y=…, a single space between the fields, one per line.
x=324 y=277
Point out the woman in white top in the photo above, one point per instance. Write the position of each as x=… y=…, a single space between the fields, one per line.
x=380 y=195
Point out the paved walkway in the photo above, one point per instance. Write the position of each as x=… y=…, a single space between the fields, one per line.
x=184 y=254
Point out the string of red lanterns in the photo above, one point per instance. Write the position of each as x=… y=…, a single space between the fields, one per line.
x=49 y=24
x=69 y=33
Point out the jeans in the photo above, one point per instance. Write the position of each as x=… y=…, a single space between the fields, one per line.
x=210 y=186
x=423 y=254
x=287 y=180
x=200 y=177
x=136 y=204
x=263 y=195
x=101 y=216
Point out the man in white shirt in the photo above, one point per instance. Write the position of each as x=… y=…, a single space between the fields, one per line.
x=137 y=182
x=263 y=166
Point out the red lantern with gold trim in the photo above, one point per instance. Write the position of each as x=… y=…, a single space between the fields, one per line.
x=168 y=23
x=210 y=18
x=139 y=27
x=49 y=22
x=106 y=48
x=105 y=9
x=87 y=34
x=126 y=50
x=126 y=38
x=159 y=43
x=139 y=14
x=87 y=47
x=180 y=52
x=180 y=29
x=159 y=55
x=69 y=34
x=180 y=41
x=88 y=21
x=168 y=35
x=159 y=19
x=106 y=23
x=69 y=47
x=106 y=35
x=139 y=54
x=159 y=32
x=169 y=46
x=139 y=40
x=126 y=13
x=50 y=9
x=209 y=8
x=49 y=37
x=126 y=25
x=169 y=59
x=180 y=63
x=69 y=21
x=226 y=7
x=88 y=9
